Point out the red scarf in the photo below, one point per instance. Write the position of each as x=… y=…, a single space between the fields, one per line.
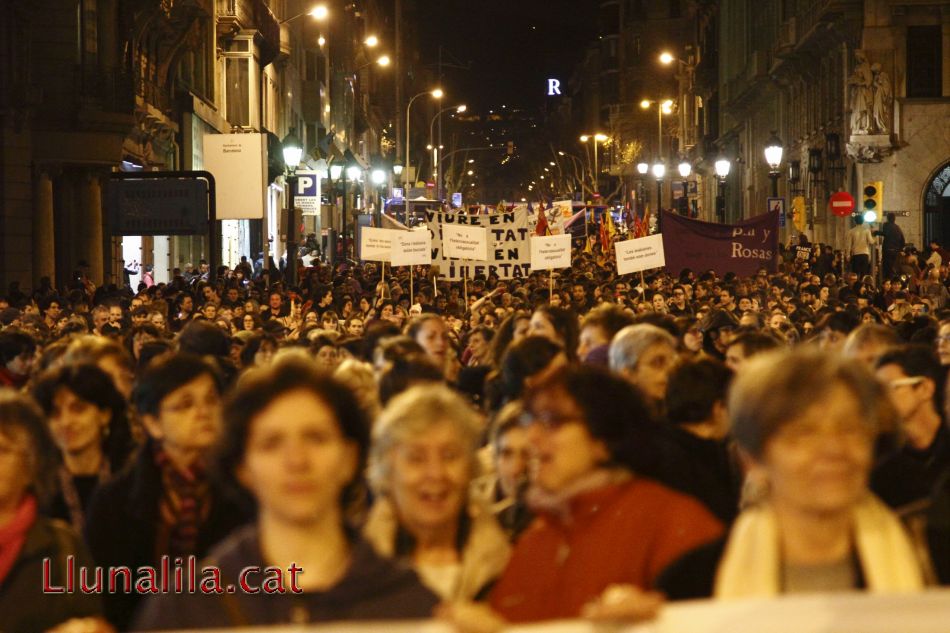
x=13 y=535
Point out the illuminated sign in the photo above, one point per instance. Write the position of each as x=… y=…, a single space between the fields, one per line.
x=554 y=87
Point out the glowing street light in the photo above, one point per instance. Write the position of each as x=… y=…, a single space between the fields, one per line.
x=371 y=41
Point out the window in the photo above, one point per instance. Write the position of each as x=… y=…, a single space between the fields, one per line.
x=238 y=90
x=675 y=9
x=924 y=61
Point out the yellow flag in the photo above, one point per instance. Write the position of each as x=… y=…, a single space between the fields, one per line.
x=798 y=212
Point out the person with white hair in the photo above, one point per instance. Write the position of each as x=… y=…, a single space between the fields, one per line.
x=644 y=355
x=422 y=461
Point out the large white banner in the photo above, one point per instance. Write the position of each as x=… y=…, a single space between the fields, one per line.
x=238 y=163
x=509 y=254
x=411 y=248
x=376 y=244
x=551 y=251
x=640 y=254
x=465 y=242
x=844 y=612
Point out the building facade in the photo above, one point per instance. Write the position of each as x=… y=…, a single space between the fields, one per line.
x=109 y=86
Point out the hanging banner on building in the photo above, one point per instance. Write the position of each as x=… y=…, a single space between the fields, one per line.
x=376 y=244
x=411 y=248
x=550 y=251
x=741 y=248
x=640 y=254
x=465 y=242
x=509 y=254
x=238 y=163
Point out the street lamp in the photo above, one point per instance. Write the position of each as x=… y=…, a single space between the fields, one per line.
x=436 y=94
x=598 y=138
x=659 y=170
x=685 y=169
x=382 y=61
x=662 y=107
x=292 y=150
x=436 y=147
x=722 y=166
x=773 y=156
x=643 y=168
x=371 y=41
x=319 y=12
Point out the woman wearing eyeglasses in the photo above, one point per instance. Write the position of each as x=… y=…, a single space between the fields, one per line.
x=601 y=527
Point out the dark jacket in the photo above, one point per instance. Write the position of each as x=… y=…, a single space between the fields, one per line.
x=704 y=469
x=24 y=607
x=123 y=520
x=907 y=475
x=893 y=236
x=373 y=589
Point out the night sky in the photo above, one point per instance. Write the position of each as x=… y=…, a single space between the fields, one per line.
x=513 y=46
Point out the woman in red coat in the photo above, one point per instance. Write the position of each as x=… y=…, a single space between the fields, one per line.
x=599 y=523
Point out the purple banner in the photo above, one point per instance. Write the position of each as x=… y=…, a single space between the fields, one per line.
x=741 y=248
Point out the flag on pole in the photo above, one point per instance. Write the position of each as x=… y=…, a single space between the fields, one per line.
x=542 y=228
x=588 y=245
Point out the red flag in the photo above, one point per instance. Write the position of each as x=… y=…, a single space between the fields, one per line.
x=604 y=237
x=542 y=228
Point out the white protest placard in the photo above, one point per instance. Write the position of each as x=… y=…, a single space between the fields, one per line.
x=411 y=248
x=465 y=242
x=376 y=244
x=640 y=254
x=550 y=251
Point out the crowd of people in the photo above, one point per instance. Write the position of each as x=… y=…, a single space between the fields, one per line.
x=487 y=452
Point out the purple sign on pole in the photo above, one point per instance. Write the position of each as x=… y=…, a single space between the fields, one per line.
x=741 y=248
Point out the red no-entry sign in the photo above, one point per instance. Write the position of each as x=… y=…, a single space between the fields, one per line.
x=842 y=203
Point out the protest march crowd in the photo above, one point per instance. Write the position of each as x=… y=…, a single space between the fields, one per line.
x=486 y=453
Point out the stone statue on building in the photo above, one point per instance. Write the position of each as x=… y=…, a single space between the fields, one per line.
x=880 y=100
x=861 y=82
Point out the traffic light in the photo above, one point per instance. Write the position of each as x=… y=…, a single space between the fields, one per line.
x=872 y=202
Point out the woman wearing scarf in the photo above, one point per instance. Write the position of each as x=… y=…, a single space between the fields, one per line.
x=87 y=420
x=164 y=504
x=806 y=423
x=26 y=538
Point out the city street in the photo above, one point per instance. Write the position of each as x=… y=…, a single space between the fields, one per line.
x=472 y=316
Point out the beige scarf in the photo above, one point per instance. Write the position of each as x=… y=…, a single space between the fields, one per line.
x=750 y=565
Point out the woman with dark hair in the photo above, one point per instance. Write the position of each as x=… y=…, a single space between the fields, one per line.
x=88 y=421
x=296 y=442
x=28 y=541
x=559 y=325
x=599 y=523
x=511 y=330
x=522 y=365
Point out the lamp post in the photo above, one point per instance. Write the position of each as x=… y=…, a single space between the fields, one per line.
x=773 y=156
x=598 y=138
x=722 y=172
x=662 y=107
x=292 y=150
x=336 y=172
x=351 y=173
x=437 y=94
x=436 y=147
x=659 y=171
x=685 y=169
x=319 y=13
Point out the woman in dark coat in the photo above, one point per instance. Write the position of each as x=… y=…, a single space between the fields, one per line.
x=164 y=504
x=28 y=539
x=297 y=441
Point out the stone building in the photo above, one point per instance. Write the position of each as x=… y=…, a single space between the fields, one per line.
x=110 y=86
x=857 y=90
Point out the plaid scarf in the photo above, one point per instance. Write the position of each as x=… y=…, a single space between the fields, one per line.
x=184 y=506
